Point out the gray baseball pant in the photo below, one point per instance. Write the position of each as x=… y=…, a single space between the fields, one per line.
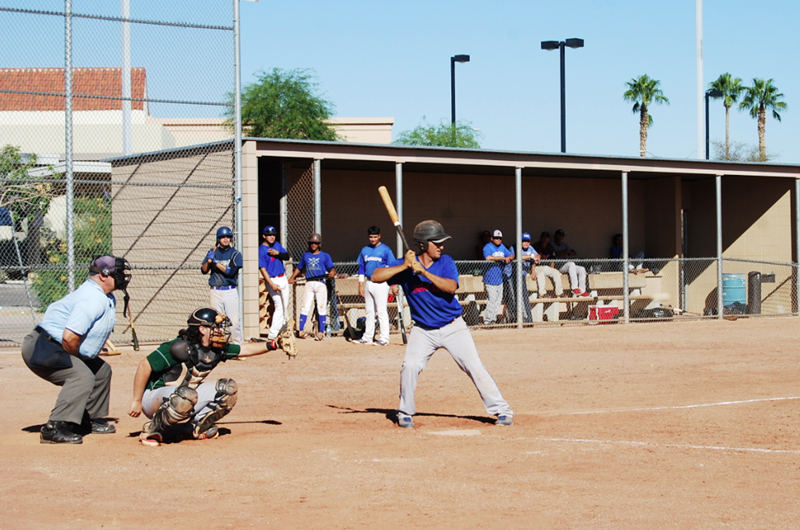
x=456 y=338
x=84 y=387
x=494 y=293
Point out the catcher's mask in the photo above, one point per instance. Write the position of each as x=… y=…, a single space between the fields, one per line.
x=218 y=322
x=428 y=231
x=119 y=268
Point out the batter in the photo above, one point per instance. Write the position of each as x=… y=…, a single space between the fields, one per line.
x=430 y=280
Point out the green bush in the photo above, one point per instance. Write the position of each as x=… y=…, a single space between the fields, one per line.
x=92 y=239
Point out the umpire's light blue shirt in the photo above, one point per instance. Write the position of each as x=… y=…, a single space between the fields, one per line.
x=87 y=311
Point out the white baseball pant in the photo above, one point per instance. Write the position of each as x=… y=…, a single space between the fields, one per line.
x=280 y=300
x=153 y=399
x=320 y=290
x=456 y=338
x=577 y=275
x=376 y=298
x=544 y=271
x=227 y=302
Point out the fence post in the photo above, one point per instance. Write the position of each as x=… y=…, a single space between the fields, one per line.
x=718 y=180
x=626 y=301
x=518 y=261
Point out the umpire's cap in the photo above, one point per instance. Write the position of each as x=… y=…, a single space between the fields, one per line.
x=269 y=230
x=430 y=231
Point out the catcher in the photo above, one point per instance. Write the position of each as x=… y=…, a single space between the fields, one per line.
x=169 y=385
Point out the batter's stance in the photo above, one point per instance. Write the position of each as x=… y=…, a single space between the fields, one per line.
x=430 y=280
x=169 y=385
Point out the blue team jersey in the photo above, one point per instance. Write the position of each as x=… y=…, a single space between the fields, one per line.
x=315 y=265
x=430 y=307
x=372 y=258
x=273 y=264
x=232 y=260
x=494 y=274
x=526 y=263
x=88 y=311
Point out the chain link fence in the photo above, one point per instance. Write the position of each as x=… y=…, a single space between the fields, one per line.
x=659 y=290
x=84 y=95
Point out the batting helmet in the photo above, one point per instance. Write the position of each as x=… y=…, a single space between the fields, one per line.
x=429 y=231
x=224 y=231
x=270 y=231
x=315 y=238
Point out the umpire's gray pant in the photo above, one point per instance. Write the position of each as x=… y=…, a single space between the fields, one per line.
x=84 y=387
x=457 y=340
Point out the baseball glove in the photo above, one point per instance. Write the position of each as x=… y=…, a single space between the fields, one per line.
x=286 y=340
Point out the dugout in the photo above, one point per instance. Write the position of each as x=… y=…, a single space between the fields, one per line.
x=673 y=208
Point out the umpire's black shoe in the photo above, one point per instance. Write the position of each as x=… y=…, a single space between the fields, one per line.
x=57 y=432
x=89 y=426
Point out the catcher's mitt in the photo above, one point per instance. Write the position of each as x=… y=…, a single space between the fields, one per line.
x=286 y=340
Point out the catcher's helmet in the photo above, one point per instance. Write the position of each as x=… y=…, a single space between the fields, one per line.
x=315 y=238
x=270 y=231
x=205 y=316
x=224 y=231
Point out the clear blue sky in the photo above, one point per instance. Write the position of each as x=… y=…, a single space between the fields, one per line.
x=392 y=59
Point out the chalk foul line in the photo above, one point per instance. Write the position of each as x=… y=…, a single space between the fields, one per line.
x=675 y=446
x=675 y=407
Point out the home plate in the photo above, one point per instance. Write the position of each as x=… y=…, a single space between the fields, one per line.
x=468 y=432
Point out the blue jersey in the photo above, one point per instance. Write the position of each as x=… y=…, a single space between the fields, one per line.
x=526 y=263
x=315 y=266
x=232 y=260
x=373 y=257
x=87 y=311
x=430 y=307
x=494 y=275
x=273 y=264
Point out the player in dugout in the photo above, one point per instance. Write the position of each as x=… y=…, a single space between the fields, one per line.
x=430 y=280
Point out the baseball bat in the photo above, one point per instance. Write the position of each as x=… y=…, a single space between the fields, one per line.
x=133 y=331
x=387 y=201
x=400 y=308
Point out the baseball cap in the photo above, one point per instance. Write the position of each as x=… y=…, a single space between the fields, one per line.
x=497 y=233
x=526 y=236
x=108 y=263
x=560 y=232
x=269 y=230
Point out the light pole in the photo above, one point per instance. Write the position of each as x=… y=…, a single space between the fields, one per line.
x=713 y=94
x=561 y=45
x=453 y=60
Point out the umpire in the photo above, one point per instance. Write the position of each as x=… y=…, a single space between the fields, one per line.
x=64 y=350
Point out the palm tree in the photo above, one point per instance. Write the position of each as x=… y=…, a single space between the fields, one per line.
x=731 y=89
x=643 y=91
x=759 y=98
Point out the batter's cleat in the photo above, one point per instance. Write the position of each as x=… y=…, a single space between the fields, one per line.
x=56 y=432
x=363 y=341
x=504 y=419
x=382 y=342
x=210 y=434
x=405 y=421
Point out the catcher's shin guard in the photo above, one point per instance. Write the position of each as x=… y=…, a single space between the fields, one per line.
x=223 y=403
x=177 y=409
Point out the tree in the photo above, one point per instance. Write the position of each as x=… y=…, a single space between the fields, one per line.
x=731 y=89
x=643 y=92
x=443 y=135
x=759 y=98
x=23 y=194
x=738 y=152
x=284 y=104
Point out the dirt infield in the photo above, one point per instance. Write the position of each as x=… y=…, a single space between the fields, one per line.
x=690 y=425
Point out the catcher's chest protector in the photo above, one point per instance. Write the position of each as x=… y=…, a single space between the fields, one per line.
x=194 y=370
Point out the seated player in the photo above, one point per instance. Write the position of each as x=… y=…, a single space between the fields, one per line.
x=169 y=385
